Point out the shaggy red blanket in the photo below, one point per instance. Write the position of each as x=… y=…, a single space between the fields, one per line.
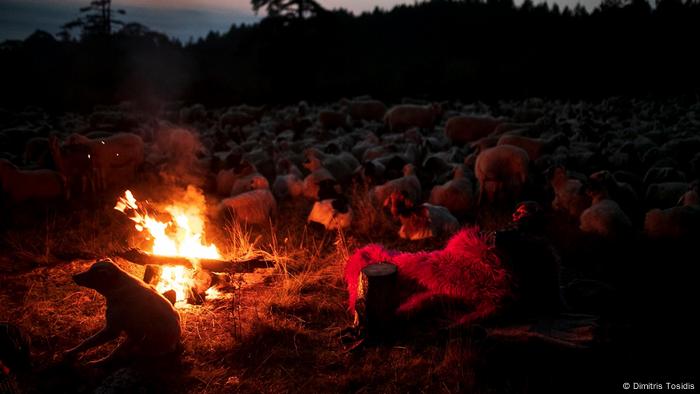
x=467 y=269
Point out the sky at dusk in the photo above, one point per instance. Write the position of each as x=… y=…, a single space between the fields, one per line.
x=178 y=18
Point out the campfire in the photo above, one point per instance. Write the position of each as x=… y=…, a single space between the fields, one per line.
x=177 y=233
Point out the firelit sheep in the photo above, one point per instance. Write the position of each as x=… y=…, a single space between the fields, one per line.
x=312 y=182
x=680 y=222
x=225 y=179
x=502 y=172
x=467 y=270
x=535 y=147
x=421 y=221
x=247 y=183
x=462 y=130
x=341 y=166
x=604 y=217
x=457 y=194
x=253 y=207
x=287 y=186
x=114 y=159
x=408 y=184
x=75 y=164
x=620 y=192
x=372 y=110
x=288 y=182
x=402 y=117
x=332 y=213
x=31 y=185
x=665 y=195
x=331 y=120
x=569 y=193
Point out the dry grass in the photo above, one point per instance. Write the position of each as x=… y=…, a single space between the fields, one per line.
x=276 y=330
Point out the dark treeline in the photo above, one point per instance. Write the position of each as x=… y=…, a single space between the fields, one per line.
x=439 y=49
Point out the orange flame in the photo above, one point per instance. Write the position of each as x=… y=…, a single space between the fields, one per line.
x=181 y=237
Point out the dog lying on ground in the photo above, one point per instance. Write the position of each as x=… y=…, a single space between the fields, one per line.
x=151 y=324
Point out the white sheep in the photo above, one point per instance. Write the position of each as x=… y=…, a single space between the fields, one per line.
x=332 y=213
x=457 y=194
x=330 y=120
x=465 y=129
x=114 y=159
x=372 y=110
x=408 y=184
x=31 y=185
x=288 y=183
x=535 y=147
x=341 y=166
x=605 y=218
x=312 y=182
x=569 y=195
x=420 y=221
x=403 y=117
x=501 y=170
x=682 y=221
x=666 y=194
x=226 y=179
x=253 y=207
x=249 y=182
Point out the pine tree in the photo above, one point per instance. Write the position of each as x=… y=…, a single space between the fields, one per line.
x=288 y=8
x=97 y=19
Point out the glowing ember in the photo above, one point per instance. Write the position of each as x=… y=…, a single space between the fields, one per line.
x=181 y=237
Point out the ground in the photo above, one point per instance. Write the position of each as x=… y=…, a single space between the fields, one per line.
x=275 y=330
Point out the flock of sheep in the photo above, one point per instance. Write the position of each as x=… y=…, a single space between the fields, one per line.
x=616 y=167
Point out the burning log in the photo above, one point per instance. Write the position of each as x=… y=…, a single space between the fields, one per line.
x=140 y=257
x=378 y=299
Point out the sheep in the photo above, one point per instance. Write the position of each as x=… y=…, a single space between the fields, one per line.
x=665 y=195
x=621 y=192
x=422 y=221
x=330 y=120
x=31 y=185
x=226 y=179
x=74 y=163
x=662 y=175
x=461 y=130
x=372 y=110
x=409 y=184
x=679 y=222
x=457 y=194
x=501 y=170
x=402 y=117
x=240 y=116
x=114 y=159
x=36 y=151
x=569 y=195
x=535 y=147
x=248 y=183
x=252 y=207
x=195 y=113
x=341 y=166
x=312 y=182
x=604 y=217
x=332 y=213
x=288 y=182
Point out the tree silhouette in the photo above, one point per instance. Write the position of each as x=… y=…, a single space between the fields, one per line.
x=288 y=8
x=97 y=20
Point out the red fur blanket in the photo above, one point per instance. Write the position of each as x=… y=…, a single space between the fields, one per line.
x=467 y=269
